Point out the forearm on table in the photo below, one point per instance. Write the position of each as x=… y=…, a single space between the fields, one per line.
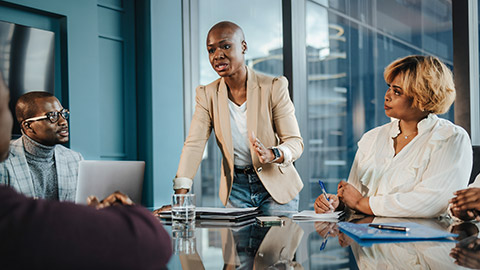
x=363 y=205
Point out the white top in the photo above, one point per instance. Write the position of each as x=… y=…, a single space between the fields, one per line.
x=238 y=125
x=241 y=144
x=421 y=178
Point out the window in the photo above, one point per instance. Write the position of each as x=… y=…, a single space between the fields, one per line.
x=348 y=45
x=347 y=49
x=261 y=22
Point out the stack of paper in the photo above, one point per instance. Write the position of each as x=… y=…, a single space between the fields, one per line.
x=212 y=216
x=310 y=215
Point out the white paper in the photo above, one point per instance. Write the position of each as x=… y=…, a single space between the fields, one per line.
x=311 y=215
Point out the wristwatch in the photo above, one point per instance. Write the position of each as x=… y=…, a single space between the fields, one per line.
x=276 y=153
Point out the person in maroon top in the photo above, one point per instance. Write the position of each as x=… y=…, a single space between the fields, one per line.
x=40 y=234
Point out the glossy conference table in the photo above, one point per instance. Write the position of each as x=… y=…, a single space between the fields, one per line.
x=319 y=245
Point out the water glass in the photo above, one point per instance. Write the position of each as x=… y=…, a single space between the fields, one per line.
x=183 y=208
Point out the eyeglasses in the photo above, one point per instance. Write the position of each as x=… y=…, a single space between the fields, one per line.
x=53 y=117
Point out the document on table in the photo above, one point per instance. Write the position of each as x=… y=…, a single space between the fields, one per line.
x=309 y=215
x=220 y=213
x=366 y=235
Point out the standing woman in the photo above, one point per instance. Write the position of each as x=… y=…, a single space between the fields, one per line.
x=411 y=166
x=255 y=127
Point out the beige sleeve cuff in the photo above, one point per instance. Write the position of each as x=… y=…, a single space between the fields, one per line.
x=287 y=156
x=182 y=182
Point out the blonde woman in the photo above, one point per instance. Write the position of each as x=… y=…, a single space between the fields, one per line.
x=411 y=166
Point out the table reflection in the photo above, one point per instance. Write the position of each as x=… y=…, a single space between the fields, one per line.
x=466 y=253
x=321 y=245
x=183 y=238
x=412 y=255
x=249 y=247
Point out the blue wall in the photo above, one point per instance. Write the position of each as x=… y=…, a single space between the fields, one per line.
x=82 y=70
x=160 y=89
x=123 y=83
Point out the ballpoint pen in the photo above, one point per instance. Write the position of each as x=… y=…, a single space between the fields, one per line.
x=389 y=227
x=324 y=242
x=324 y=191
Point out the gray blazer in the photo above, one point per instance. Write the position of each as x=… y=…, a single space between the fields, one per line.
x=14 y=171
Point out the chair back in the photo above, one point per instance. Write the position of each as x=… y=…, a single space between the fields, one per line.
x=476 y=163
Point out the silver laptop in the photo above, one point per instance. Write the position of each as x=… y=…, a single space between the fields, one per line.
x=102 y=178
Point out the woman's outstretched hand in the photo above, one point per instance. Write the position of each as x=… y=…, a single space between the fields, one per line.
x=264 y=154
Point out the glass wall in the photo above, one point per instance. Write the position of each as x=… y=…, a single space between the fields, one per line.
x=348 y=45
x=261 y=22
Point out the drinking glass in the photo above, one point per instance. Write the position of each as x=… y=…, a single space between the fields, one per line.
x=183 y=210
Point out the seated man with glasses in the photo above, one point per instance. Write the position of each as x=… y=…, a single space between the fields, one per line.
x=37 y=165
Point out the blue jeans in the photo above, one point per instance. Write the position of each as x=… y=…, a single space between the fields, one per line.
x=248 y=191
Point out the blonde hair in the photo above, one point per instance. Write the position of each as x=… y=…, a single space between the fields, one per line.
x=426 y=79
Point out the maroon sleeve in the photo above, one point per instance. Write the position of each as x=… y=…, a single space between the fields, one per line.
x=40 y=234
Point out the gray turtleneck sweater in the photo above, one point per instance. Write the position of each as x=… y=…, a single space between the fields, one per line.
x=41 y=161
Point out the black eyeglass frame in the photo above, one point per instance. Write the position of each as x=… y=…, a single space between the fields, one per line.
x=53 y=117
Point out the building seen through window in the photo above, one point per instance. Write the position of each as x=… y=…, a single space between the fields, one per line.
x=348 y=44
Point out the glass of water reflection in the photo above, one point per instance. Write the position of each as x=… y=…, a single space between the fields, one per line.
x=183 y=208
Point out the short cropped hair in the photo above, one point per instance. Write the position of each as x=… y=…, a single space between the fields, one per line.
x=26 y=107
x=426 y=79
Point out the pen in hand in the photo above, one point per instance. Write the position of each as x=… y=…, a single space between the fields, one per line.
x=324 y=191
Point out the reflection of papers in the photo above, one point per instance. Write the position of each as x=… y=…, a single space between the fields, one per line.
x=308 y=215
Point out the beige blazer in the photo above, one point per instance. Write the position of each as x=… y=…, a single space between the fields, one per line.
x=270 y=115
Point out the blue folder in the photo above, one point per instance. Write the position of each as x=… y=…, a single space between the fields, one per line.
x=366 y=236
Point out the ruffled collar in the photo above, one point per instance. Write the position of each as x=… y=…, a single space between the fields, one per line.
x=423 y=126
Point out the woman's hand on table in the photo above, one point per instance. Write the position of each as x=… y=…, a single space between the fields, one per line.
x=169 y=207
x=466 y=203
x=349 y=195
x=352 y=198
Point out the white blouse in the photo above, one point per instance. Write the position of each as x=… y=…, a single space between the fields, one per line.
x=421 y=178
x=238 y=125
